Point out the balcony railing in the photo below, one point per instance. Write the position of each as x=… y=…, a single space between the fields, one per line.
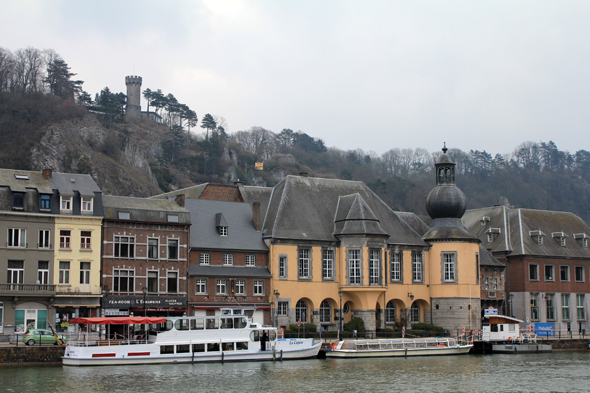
x=27 y=288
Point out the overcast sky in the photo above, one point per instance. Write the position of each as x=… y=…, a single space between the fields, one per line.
x=375 y=75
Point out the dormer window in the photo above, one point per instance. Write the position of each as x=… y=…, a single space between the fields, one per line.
x=123 y=215
x=18 y=201
x=65 y=203
x=87 y=204
x=560 y=237
x=492 y=234
x=582 y=238
x=45 y=202
x=484 y=220
x=222 y=231
x=538 y=236
x=172 y=218
x=221 y=224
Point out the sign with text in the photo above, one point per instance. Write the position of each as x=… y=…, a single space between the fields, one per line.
x=491 y=311
x=544 y=329
x=150 y=301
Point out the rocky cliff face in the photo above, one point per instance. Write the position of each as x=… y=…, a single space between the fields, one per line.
x=118 y=161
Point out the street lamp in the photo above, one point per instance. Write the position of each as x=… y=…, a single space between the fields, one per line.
x=145 y=291
x=277 y=294
x=340 y=330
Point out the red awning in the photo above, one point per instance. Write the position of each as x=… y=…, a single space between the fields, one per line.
x=118 y=321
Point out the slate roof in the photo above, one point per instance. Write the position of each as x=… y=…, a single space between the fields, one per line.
x=305 y=208
x=354 y=217
x=518 y=230
x=229 y=271
x=143 y=210
x=193 y=192
x=36 y=181
x=68 y=183
x=241 y=236
x=253 y=194
x=486 y=258
x=414 y=221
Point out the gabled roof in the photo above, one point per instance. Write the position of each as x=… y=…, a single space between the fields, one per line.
x=68 y=183
x=241 y=234
x=28 y=180
x=143 y=210
x=193 y=192
x=304 y=208
x=520 y=229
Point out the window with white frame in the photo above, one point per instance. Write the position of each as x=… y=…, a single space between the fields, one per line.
x=85 y=240
x=44 y=238
x=304 y=263
x=283 y=309
x=325 y=312
x=16 y=272
x=534 y=307
x=258 y=287
x=204 y=258
x=449 y=266
x=221 y=286
x=282 y=266
x=301 y=313
x=65 y=238
x=84 y=272
x=228 y=259
x=580 y=308
x=327 y=264
x=64 y=272
x=417 y=267
x=65 y=203
x=240 y=287
x=152 y=281
x=172 y=248
x=87 y=204
x=153 y=246
x=390 y=312
x=123 y=281
x=564 y=273
x=17 y=237
x=250 y=260
x=43 y=272
x=396 y=266
x=579 y=273
x=354 y=267
x=201 y=286
x=374 y=267
x=124 y=246
x=565 y=306
x=223 y=231
x=172 y=282
x=550 y=307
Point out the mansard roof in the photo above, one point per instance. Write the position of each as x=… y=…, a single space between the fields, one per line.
x=355 y=217
x=306 y=208
x=229 y=271
x=28 y=180
x=70 y=183
x=144 y=210
x=241 y=233
x=520 y=229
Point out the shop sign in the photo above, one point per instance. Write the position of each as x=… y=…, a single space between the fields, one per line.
x=150 y=301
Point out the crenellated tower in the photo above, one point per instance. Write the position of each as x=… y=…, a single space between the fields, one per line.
x=133 y=96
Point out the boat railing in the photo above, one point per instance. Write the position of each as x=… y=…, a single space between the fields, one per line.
x=405 y=343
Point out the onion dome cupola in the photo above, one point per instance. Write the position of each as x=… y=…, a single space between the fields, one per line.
x=446 y=204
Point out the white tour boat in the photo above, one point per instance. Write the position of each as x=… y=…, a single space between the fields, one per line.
x=401 y=347
x=184 y=340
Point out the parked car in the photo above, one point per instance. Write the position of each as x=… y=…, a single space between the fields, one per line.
x=34 y=336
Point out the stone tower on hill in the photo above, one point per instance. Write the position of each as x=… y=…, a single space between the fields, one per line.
x=133 y=96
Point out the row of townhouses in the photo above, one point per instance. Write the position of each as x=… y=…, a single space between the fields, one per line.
x=314 y=250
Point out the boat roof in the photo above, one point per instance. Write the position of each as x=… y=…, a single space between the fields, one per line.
x=118 y=321
x=501 y=319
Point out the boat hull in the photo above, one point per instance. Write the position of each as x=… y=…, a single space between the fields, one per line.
x=521 y=348
x=402 y=352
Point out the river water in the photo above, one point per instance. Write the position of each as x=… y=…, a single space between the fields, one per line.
x=554 y=372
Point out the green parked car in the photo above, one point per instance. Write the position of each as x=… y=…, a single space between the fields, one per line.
x=34 y=336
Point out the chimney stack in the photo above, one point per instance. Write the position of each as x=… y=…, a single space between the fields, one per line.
x=47 y=173
x=256 y=215
x=180 y=200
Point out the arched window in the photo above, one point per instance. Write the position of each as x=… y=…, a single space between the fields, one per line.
x=301 y=313
x=325 y=312
x=415 y=313
x=390 y=312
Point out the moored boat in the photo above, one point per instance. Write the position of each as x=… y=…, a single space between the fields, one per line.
x=401 y=347
x=184 y=340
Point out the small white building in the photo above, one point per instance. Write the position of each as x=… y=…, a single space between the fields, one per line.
x=500 y=328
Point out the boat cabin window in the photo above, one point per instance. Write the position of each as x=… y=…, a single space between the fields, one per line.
x=241 y=346
x=512 y=327
x=198 y=347
x=501 y=328
x=166 y=349
x=213 y=347
x=227 y=323
x=240 y=323
x=272 y=335
x=169 y=325
x=181 y=324
x=255 y=335
x=493 y=328
x=249 y=313
x=227 y=346
x=185 y=348
x=212 y=323
x=197 y=324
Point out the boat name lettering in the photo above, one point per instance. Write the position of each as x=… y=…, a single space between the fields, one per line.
x=296 y=343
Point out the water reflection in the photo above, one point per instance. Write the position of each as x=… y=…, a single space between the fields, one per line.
x=560 y=371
